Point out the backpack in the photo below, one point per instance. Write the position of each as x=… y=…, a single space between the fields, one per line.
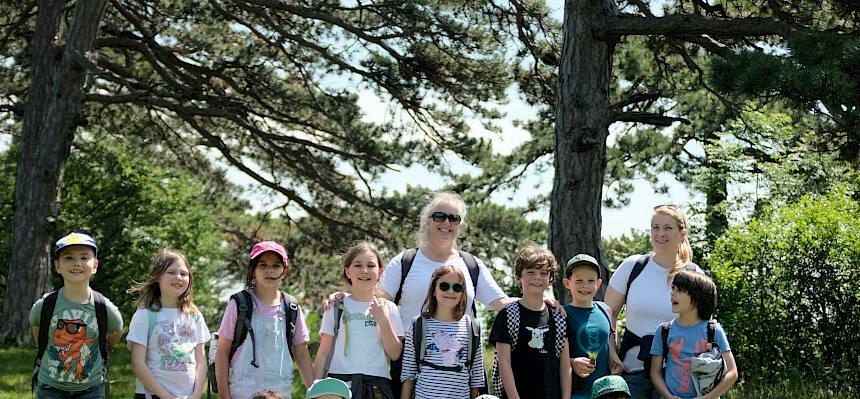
x=712 y=352
x=419 y=329
x=557 y=324
x=338 y=306
x=406 y=264
x=45 y=316
x=243 y=329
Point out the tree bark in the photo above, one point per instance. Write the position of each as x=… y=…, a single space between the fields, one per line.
x=51 y=116
x=581 y=128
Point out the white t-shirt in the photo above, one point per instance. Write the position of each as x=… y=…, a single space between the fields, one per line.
x=170 y=348
x=359 y=333
x=649 y=302
x=418 y=281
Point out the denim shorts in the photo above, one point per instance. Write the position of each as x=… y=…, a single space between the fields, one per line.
x=640 y=387
x=47 y=392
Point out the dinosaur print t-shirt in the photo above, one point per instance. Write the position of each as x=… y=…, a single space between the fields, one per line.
x=72 y=361
x=169 y=347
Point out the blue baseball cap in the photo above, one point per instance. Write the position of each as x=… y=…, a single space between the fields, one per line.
x=75 y=239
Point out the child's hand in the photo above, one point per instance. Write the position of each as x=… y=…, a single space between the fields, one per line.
x=378 y=310
x=332 y=299
x=582 y=366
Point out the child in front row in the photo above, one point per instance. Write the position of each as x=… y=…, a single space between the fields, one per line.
x=265 y=359
x=452 y=364
x=532 y=354
x=167 y=332
x=356 y=346
x=75 y=333
x=592 y=340
x=694 y=299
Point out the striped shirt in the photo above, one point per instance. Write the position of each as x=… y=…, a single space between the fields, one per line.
x=447 y=344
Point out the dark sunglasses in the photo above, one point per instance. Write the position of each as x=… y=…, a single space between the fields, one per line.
x=70 y=327
x=670 y=206
x=445 y=286
x=441 y=216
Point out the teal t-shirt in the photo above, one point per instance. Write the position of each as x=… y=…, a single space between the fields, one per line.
x=72 y=361
x=589 y=330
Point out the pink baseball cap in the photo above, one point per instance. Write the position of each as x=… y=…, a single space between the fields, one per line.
x=266 y=246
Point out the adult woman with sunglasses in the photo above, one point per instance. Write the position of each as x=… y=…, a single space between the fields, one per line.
x=643 y=283
x=440 y=222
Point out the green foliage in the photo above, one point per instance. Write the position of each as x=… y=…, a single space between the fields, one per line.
x=135 y=206
x=789 y=290
x=616 y=249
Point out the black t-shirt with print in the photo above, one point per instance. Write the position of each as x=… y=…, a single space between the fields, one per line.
x=535 y=366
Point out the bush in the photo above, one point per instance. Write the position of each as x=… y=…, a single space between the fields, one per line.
x=790 y=291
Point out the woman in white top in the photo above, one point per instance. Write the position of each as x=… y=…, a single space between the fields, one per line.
x=440 y=223
x=648 y=302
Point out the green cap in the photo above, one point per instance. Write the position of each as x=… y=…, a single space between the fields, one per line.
x=609 y=384
x=329 y=386
x=582 y=259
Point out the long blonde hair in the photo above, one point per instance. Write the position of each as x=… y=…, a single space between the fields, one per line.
x=685 y=251
x=149 y=291
x=421 y=236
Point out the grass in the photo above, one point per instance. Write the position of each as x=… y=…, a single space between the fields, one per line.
x=16 y=366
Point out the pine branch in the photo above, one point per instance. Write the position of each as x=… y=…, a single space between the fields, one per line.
x=629 y=24
x=646 y=117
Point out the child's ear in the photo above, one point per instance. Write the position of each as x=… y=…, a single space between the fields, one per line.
x=96 y=266
x=599 y=282
x=566 y=282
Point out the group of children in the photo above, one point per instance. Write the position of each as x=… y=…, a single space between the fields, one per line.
x=541 y=351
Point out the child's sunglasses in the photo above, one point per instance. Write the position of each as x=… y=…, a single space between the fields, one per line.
x=441 y=216
x=456 y=287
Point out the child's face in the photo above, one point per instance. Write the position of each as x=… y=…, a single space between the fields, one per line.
x=455 y=289
x=681 y=301
x=534 y=281
x=583 y=283
x=363 y=271
x=76 y=263
x=175 y=280
x=270 y=270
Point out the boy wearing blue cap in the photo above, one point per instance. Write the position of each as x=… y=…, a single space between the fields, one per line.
x=73 y=326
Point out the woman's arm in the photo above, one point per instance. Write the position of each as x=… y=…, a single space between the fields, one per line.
x=222 y=367
x=141 y=371
x=326 y=344
x=303 y=361
x=200 y=372
x=728 y=380
x=500 y=303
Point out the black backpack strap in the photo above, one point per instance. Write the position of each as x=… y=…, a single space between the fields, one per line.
x=101 y=320
x=472 y=265
x=712 y=331
x=474 y=340
x=244 y=310
x=637 y=269
x=45 y=316
x=405 y=264
x=419 y=336
x=604 y=308
x=338 y=313
x=664 y=331
x=291 y=313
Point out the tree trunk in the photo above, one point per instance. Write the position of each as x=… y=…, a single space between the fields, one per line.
x=581 y=129
x=52 y=114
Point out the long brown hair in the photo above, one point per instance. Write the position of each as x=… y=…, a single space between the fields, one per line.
x=430 y=304
x=150 y=293
x=685 y=251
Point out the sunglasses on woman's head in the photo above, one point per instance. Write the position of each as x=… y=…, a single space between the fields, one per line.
x=670 y=206
x=445 y=286
x=441 y=216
